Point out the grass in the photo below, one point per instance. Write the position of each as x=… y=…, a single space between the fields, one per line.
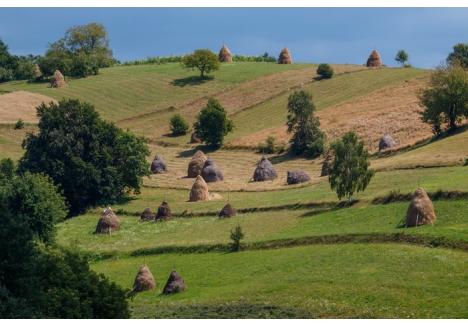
x=11 y=140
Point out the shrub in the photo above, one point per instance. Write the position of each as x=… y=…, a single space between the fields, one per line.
x=459 y=55
x=269 y=146
x=212 y=124
x=236 y=237
x=19 y=124
x=325 y=71
x=178 y=125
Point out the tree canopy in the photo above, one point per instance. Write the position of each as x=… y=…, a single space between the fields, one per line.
x=203 y=59
x=401 y=57
x=459 y=55
x=212 y=124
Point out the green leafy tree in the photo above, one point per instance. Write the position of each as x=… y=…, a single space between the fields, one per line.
x=350 y=171
x=178 y=125
x=204 y=60
x=307 y=137
x=401 y=57
x=446 y=98
x=459 y=55
x=91 y=160
x=325 y=71
x=212 y=124
x=236 y=236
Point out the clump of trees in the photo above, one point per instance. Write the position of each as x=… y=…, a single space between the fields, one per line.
x=178 y=125
x=459 y=55
x=212 y=124
x=325 y=71
x=15 y=67
x=402 y=58
x=91 y=160
x=203 y=60
x=249 y=58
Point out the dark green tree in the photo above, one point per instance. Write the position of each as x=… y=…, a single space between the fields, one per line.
x=92 y=161
x=178 y=125
x=401 y=57
x=307 y=137
x=204 y=60
x=350 y=172
x=325 y=71
x=459 y=55
x=236 y=236
x=213 y=124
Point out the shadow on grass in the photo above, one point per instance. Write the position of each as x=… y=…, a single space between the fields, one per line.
x=191 y=81
x=190 y=152
x=325 y=209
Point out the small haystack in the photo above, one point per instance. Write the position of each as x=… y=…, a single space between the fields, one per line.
x=285 y=57
x=158 y=165
x=108 y=222
x=225 y=54
x=295 y=177
x=147 y=214
x=199 y=190
x=194 y=139
x=144 y=280
x=227 y=211
x=386 y=142
x=164 y=212
x=211 y=172
x=264 y=171
x=37 y=73
x=174 y=284
x=57 y=80
x=374 y=60
x=326 y=165
x=196 y=164
x=420 y=210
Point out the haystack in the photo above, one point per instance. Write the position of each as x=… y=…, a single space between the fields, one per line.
x=147 y=215
x=196 y=164
x=144 y=280
x=211 y=172
x=158 y=165
x=285 y=57
x=386 y=142
x=227 y=211
x=225 y=54
x=295 y=177
x=164 y=211
x=199 y=190
x=420 y=210
x=326 y=166
x=57 y=80
x=37 y=73
x=108 y=222
x=174 y=284
x=194 y=139
x=264 y=171
x=374 y=60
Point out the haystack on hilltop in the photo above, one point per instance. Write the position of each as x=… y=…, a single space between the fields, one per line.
x=147 y=215
x=225 y=54
x=57 y=80
x=295 y=177
x=174 y=284
x=199 y=190
x=386 y=142
x=285 y=57
x=326 y=165
x=227 y=211
x=211 y=172
x=37 y=73
x=196 y=164
x=164 y=211
x=144 y=280
x=374 y=60
x=158 y=165
x=420 y=210
x=264 y=171
x=108 y=222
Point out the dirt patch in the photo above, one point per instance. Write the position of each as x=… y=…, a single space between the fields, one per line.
x=21 y=105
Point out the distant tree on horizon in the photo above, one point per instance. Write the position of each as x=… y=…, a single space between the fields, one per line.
x=203 y=59
x=401 y=57
x=459 y=55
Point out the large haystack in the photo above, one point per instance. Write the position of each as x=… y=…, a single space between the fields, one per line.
x=374 y=60
x=158 y=165
x=386 y=142
x=199 y=190
x=211 y=172
x=108 y=222
x=225 y=54
x=196 y=164
x=147 y=215
x=164 y=212
x=264 y=171
x=326 y=165
x=144 y=280
x=37 y=73
x=285 y=57
x=420 y=210
x=174 y=284
x=57 y=80
x=227 y=211
x=295 y=177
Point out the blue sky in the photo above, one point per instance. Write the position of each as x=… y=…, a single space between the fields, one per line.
x=342 y=35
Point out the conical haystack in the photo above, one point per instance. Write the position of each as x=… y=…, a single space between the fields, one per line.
x=147 y=215
x=199 y=190
x=164 y=211
x=57 y=80
x=211 y=172
x=144 y=280
x=227 y=211
x=295 y=177
x=37 y=73
x=108 y=222
x=196 y=164
x=264 y=171
x=225 y=55
x=285 y=57
x=420 y=210
x=386 y=142
x=374 y=60
x=326 y=165
x=158 y=165
x=174 y=284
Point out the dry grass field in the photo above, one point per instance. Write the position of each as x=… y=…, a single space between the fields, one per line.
x=21 y=105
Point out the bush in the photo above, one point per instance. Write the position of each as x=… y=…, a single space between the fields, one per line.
x=178 y=125
x=236 y=237
x=19 y=124
x=325 y=71
x=248 y=58
x=212 y=124
x=5 y=75
x=268 y=147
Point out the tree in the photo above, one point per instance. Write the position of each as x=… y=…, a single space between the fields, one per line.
x=92 y=161
x=325 y=71
x=236 y=236
x=459 y=55
x=178 y=125
x=307 y=137
x=212 y=124
x=350 y=171
x=401 y=57
x=204 y=60
x=446 y=98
